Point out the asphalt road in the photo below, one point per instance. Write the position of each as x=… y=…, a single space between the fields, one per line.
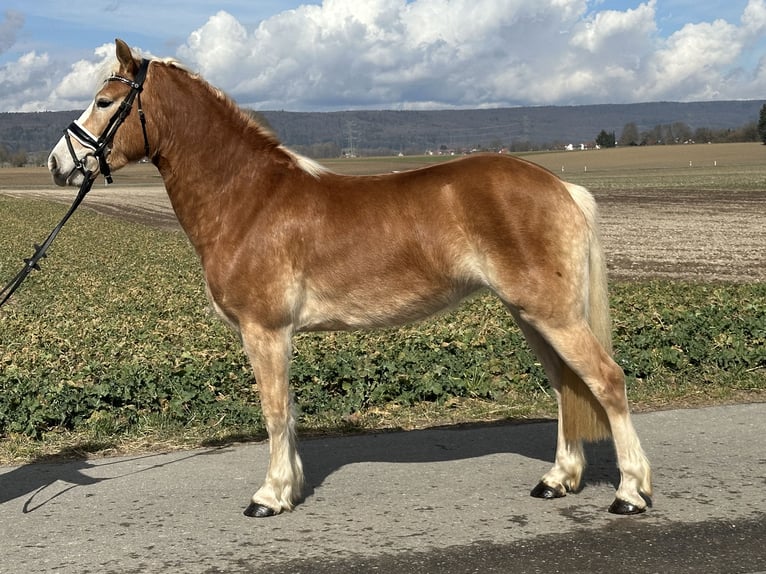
x=452 y=500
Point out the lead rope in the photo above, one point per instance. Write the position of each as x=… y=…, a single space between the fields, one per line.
x=34 y=261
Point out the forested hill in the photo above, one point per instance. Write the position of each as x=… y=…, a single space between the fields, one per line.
x=387 y=131
x=418 y=131
x=32 y=132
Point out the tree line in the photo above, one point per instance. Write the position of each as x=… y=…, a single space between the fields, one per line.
x=681 y=133
x=14 y=158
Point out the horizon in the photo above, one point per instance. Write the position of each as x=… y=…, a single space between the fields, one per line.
x=465 y=109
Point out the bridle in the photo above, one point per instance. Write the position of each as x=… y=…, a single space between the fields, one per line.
x=101 y=146
x=100 y=150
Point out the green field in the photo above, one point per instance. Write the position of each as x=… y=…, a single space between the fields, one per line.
x=111 y=347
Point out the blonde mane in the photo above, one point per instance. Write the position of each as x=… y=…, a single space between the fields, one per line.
x=308 y=165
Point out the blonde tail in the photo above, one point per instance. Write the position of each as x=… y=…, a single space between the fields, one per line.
x=584 y=418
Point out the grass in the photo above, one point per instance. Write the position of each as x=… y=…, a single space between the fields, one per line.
x=111 y=348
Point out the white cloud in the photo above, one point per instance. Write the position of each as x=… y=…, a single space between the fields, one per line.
x=382 y=53
x=36 y=82
x=692 y=60
x=24 y=84
x=754 y=17
x=438 y=53
x=218 y=48
x=608 y=30
x=699 y=61
x=84 y=76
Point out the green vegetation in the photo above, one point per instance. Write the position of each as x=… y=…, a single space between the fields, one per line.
x=111 y=346
x=605 y=139
x=680 y=133
x=762 y=124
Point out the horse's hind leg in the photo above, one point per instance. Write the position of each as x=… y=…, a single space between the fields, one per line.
x=570 y=460
x=269 y=353
x=582 y=352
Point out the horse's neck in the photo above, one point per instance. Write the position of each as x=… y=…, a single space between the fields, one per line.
x=208 y=155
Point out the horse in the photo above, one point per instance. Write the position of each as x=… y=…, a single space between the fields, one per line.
x=287 y=246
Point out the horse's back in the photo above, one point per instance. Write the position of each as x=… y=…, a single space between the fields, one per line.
x=394 y=248
x=475 y=191
x=464 y=174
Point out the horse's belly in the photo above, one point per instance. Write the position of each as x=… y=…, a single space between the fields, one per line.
x=359 y=309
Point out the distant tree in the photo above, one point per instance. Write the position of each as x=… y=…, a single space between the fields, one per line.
x=652 y=136
x=703 y=135
x=19 y=158
x=749 y=133
x=322 y=150
x=522 y=145
x=605 y=139
x=762 y=124
x=668 y=137
x=681 y=132
x=496 y=145
x=629 y=134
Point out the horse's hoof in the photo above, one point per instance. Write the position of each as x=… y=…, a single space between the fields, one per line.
x=624 y=507
x=542 y=490
x=256 y=510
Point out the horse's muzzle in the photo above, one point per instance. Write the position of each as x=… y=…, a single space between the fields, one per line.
x=63 y=178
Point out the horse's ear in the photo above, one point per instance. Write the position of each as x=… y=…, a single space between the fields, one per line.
x=125 y=57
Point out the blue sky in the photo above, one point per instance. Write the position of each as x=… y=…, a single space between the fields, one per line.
x=397 y=54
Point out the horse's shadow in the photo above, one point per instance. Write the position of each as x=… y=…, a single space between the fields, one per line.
x=324 y=456
x=34 y=478
x=534 y=440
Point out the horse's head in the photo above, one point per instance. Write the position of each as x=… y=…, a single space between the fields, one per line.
x=107 y=135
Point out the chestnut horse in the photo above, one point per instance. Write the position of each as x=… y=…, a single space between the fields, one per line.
x=289 y=246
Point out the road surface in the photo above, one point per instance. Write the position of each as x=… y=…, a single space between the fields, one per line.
x=448 y=500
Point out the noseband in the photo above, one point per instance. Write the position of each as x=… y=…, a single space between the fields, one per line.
x=101 y=146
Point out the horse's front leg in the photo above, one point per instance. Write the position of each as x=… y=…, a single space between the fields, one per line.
x=269 y=352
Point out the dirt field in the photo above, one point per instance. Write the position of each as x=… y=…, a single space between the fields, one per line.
x=657 y=228
x=683 y=234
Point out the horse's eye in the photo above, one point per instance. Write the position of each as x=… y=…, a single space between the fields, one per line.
x=103 y=103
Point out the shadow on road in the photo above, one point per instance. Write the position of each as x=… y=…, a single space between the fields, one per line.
x=322 y=457
x=536 y=440
x=35 y=478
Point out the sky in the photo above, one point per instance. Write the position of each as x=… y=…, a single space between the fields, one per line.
x=395 y=54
